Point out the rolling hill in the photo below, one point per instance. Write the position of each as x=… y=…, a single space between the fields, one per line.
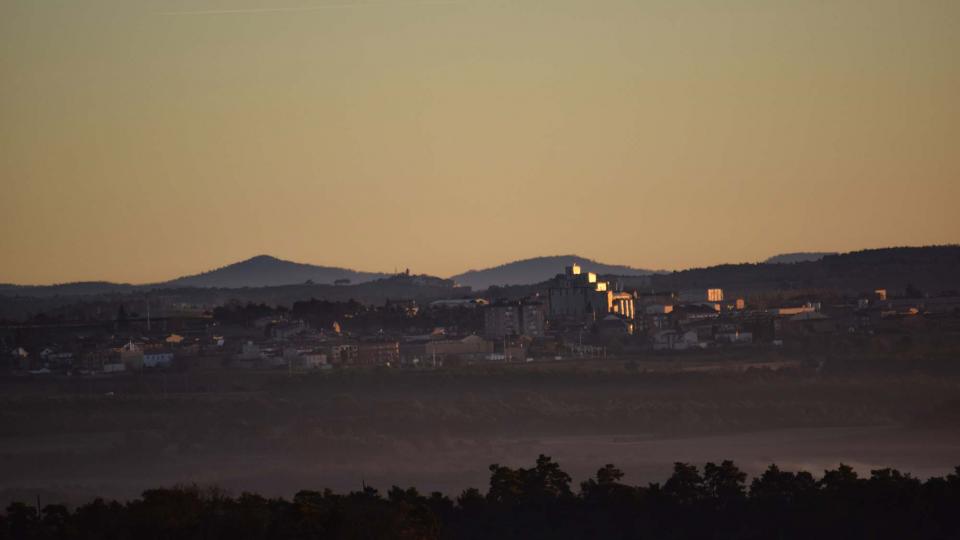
x=932 y=269
x=537 y=269
x=267 y=271
x=259 y=271
x=800 y=256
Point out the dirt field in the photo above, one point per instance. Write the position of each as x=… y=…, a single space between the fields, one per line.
x=69 y=440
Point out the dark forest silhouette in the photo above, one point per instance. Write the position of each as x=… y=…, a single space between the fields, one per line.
x=536 y=502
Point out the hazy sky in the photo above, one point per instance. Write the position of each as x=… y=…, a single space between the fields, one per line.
x=144 y=140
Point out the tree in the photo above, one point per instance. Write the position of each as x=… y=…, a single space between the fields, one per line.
x=515 y=486
x=782 y=488
x=685 y=486
x=724 y=482
x=609 y=475
x=21 y=520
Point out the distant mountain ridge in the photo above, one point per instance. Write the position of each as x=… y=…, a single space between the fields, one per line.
x=268 y=271
x=538 y=269
x=800 y=256
x=932 y=268
x=67 y=289
x=259 y=271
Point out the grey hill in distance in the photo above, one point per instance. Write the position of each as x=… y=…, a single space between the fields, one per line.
x=267 y=271
x=801 y=256
x=538 y=269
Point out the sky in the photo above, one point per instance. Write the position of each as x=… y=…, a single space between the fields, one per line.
x=141 y=140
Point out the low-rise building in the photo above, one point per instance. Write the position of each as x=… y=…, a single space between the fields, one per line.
x=521 y=318
x=468 y=303
x=468 y=348
x=287 y=329
x=131 y=355
x=677 y=341
x=788 y=311
x=342 y=353
x=502 y=319
x=378 y=353
x=158 y=359
x=615 y=326
x=691 y=296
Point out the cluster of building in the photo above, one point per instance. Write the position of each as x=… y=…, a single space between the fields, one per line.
x=576 y=315
x=588 y=316
x=112 y=356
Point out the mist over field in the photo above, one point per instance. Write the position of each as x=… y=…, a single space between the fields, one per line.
x=71 y=440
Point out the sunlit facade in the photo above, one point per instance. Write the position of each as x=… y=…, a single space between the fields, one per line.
x=581 y=297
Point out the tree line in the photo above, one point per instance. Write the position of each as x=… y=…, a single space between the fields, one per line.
x=537 y=502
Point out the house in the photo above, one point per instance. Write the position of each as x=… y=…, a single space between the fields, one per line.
x=649 y=298
x=157 y=359
x=788 y=311
x=21 y=358
x=250 y=355
x=55 y=359
x=96 y=360
x=343 y=353
x=655 y=317
x=272 y=358
x=658 y=309
x=131 y=356
x=287 y=329
x=378 y=353
x=665 y=340
x=701 y=295
x=408 y=307
x=533 y=317
x=734 y=336
x=689 y=340
x=304 y=358
x=114 y=367
x=312 y=359
x=520 y=318
x=468 y=303
x=502 y=319
x=468 y=348
x=250 y=351
x=615 y=326
x=674 y=340
x=59 y=360
x=696 y=312
x=806 y=323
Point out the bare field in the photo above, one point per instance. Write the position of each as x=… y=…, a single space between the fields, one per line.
x=71 y=439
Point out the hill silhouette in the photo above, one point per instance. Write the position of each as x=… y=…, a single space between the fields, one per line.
x=267 y=271
x=932 y=269
x=537 y=269
x=800 y=256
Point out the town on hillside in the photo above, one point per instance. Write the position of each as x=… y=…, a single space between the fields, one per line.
x=577 y=315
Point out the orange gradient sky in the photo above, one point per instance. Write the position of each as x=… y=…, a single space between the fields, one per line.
x=142 y=140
